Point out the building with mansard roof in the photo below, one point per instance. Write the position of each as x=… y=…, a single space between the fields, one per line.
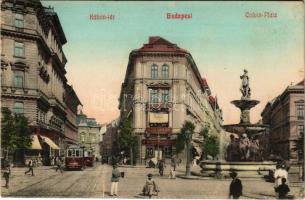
x=162 y=89
x=33 y=78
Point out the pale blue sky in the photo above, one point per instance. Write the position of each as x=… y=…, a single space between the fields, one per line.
x=220 y=38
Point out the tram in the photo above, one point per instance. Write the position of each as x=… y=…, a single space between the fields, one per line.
x=89 y=157
x=75 y=158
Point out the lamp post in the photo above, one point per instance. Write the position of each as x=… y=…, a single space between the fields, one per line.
x=188 y=135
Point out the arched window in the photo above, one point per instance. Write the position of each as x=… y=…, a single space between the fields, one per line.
x=165 y=71
x=154 y=71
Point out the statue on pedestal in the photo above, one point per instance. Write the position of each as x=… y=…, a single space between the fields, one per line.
x=245 y=89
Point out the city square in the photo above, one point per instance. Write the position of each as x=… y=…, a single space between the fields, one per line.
x=189 y=100
x=95 y=182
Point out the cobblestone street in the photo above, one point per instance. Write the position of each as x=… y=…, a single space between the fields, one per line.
x=95 y=182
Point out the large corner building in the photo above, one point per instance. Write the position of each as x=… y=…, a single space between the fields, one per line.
x=162 y=89
x=33 y=74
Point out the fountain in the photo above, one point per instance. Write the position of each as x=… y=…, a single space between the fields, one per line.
x=246 y=152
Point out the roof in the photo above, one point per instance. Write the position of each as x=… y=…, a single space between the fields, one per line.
x=297 y=88
x=54 y=17
x=159 y=44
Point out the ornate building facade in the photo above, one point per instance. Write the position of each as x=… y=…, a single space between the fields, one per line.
x=33 y=80
x=285 y=115
x=89 y=134
x=162 y=89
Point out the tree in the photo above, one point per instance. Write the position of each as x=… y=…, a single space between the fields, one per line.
x=181 y=138
x=127 y=139
x=6 y=131
x=15 y=132
x=211 y=145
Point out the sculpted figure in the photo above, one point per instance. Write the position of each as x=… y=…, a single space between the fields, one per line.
x=245 y=89
x=233 y=150
x=244 y=144
x=254 y=150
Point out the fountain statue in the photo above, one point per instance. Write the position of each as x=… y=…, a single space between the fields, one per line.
x=247 y=147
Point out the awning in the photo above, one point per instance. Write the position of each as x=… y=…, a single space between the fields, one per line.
x=35 y=142
x=49 y=142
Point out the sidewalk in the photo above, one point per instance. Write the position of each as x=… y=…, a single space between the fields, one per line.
x=19 y=180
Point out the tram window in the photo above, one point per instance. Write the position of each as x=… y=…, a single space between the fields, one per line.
x=69 y=153
x=77 y=153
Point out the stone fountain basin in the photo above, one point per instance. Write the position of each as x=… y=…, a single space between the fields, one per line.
x=244 y=169
x=238 y=166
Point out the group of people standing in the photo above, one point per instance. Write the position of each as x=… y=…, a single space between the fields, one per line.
x=161 y=165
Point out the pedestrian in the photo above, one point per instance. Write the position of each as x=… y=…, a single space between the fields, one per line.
x=279 y=173
x=174 y=162
x=161 y=166
x=30 y=166
x=150 y=186
x=172 y=174
x=115 y=177
x=236 y=187
x=283 y=189
x=6 y=174
x=59 y=164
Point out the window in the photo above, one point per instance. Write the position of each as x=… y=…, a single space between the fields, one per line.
x=149 y=152
x=77 y=154
x=82 y=136
x=19 y=49
x=165 y=71
x=18 y=108
x=300 y=111
x=164 y=96
x=154 y=71
x=19 y=21
x=18 y=79
x=300 y=130
x=153 y=96
x=168 y=152
x=69 y=153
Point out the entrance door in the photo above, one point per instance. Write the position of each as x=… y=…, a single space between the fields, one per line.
x=159 y=153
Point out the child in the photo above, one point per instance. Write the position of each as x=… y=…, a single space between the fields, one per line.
x=150 y=186
x=236 y=187
x=172 y=174
x=283 y=189
x=30 y=166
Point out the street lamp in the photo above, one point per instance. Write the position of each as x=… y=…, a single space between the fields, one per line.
x=188 y=136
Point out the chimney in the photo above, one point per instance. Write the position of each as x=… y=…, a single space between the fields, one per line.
x=153 y=39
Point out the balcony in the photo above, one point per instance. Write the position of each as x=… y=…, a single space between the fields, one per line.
x=158 y=130
x=159 y=106
x=166 y=142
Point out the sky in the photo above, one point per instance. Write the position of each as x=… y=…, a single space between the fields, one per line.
x=221 y=39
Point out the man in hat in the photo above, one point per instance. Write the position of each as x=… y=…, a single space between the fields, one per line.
x=150 y=186
x=116 y=174
x=236 y=186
